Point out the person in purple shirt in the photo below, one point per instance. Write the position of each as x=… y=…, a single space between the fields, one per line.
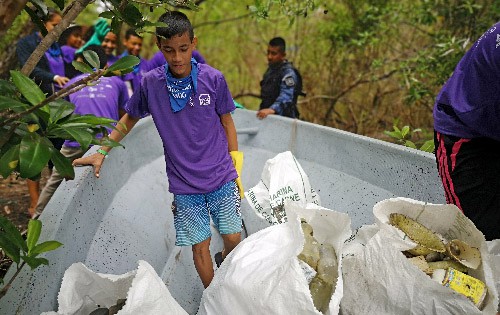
x=48 y=74
x=191 y=106
x=467 y=134
x=133 y=46
x=70 y=40
x=105 y=99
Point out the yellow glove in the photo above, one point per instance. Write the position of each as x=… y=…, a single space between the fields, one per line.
x=237 y=157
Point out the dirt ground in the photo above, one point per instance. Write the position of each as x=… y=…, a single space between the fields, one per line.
x=15 y=200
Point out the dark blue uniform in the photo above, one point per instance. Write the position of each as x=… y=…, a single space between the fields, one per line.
x=280 y=88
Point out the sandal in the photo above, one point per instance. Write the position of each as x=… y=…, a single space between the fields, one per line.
x=218 y=259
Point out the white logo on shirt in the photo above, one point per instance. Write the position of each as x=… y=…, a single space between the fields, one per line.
x=204 y=99
x=498 y=41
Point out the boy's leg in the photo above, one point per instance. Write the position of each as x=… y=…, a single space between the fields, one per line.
x=192 y=228
x=55 y=178
x=230 y=242
x=224 y=205
x=203 y=262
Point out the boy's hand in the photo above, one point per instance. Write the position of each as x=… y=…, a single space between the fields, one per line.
x=237 y=157
x=95 y=160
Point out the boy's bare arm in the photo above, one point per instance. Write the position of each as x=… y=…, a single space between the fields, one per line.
x=124 y=126
x=228 y=124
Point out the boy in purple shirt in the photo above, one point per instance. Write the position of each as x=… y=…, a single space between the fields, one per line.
x=467 y=134
x=105 y=99
x=191 y=106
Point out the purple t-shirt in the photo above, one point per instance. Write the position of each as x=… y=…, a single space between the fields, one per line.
x=194 y=141
x=468 y=105
x=68 y=53
x=104 y=99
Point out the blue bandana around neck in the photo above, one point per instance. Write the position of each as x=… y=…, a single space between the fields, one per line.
x=54 y=49
x=180 y=90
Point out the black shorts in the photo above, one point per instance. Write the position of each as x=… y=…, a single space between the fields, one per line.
x=470 y=172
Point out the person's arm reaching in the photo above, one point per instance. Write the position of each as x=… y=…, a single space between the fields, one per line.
x=123 y=127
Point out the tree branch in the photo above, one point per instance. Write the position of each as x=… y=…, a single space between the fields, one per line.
x=59 y=94
x=223 y=21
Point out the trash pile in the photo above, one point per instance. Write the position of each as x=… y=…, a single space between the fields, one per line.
x=447 y=264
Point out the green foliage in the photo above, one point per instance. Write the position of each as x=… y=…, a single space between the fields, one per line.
x=28 y=119
x=18 y=249
x=405 y=135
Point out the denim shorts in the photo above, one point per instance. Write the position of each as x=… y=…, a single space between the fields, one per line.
x=192 y=214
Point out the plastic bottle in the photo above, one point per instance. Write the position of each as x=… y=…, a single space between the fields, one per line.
x=321 y=293
x=327 y=264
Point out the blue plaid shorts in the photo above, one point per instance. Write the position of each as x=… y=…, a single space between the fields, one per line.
x=192 y=214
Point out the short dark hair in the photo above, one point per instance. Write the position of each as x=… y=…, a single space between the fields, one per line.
x=278 y=42
x=99 y=50
x=177 y=24
x=131 y=32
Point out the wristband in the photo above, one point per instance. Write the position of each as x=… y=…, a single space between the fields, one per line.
x=101 y=151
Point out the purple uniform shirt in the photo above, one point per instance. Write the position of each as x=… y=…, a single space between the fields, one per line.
x=104 y=99
x=194 y=141
x=68 y=53
x=468 y=105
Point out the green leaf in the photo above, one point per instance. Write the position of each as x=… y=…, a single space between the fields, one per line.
x=92 y=58
x=410 y=144
x=36 y=20
x=12 y=233
x=60 y=109
x=107 y=14
x=89 y=119
x=131 y=14
x=428 y=146
x=81 y=135
x=124 y=63
x=27 y=87
x=393 y=134
x=7 y=88
x=59 y=3
x=34 y=262
x=9 y=248
x=34 y=154
x=45 y=247
x=82 y=67
x=405 y=131
x=9 y=161
x=62 y=164
x=34 y=230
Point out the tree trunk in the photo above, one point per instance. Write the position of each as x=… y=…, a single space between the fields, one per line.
x=9 y=10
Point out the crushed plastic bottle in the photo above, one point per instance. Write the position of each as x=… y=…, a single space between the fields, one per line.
x=310 y=252
x=327 y=264
x=323 y=284
x=321 y=293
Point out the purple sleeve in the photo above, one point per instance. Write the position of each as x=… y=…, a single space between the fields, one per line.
x=123 y=97
x=157 y=60
x=198 y=57
x=224 y=101
x=137 y=106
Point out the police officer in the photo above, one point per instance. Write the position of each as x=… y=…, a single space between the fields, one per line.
x=281 y=84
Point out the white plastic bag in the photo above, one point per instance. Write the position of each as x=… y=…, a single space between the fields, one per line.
x=494 y=249
x=82 y=291
x=282 y=179
x=262 y=274
x=378 y=279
